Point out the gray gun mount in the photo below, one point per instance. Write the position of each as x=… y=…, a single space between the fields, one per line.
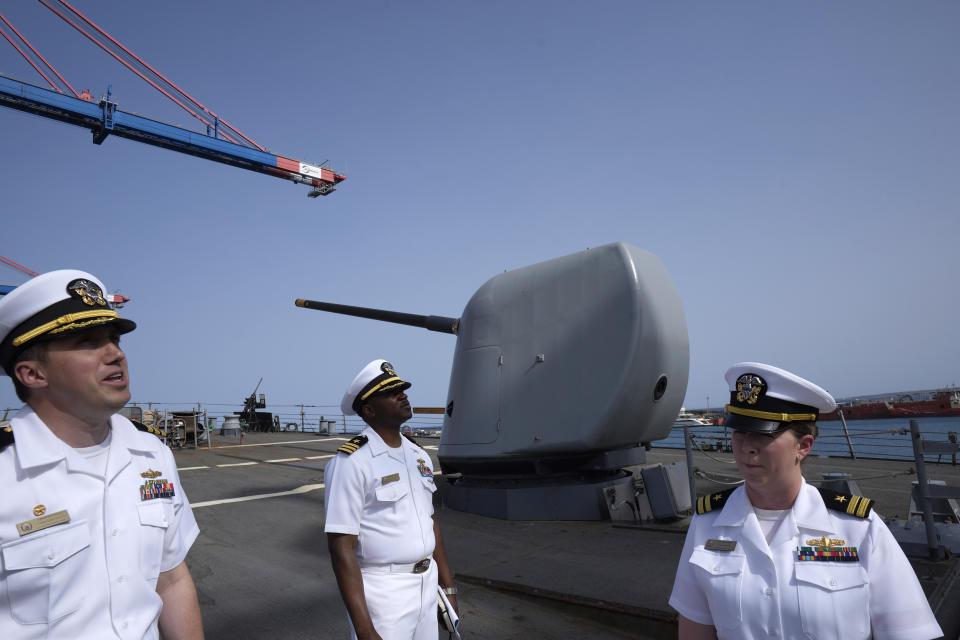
x=562 y=371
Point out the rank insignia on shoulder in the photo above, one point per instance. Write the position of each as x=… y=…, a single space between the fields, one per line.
x=713 y=501
x=6 y=437
x=148 y=429
x=856 y=506
x=411 y=440
x=352 y=444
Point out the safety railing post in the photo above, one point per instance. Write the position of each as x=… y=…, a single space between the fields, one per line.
x=933 y=546
x=846 y=434
x=690 y=474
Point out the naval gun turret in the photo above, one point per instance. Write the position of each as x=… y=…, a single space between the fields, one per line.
x=562 y=372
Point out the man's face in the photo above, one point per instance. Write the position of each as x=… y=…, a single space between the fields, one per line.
x=391 y=409
x=86 y=373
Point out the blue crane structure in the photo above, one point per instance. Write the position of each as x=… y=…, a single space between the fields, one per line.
x=103 y=117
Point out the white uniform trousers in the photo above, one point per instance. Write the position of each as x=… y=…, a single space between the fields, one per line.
x=403 y=606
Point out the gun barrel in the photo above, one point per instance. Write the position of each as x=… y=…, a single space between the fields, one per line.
x=441 y=324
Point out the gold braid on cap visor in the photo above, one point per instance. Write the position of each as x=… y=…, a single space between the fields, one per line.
x=64 y=322
x=769 y=415
x=383 y=385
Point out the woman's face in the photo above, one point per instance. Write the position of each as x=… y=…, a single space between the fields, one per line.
x=769 y=462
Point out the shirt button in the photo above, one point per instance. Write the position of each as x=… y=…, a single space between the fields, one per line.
x=115 y=532
x=833 y=582
x=121 y=579
x=768 y=591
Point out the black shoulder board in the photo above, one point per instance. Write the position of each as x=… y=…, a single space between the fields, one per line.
x=142 y=427
x=6 y=437
x=856 y=506
x=411 y=440
x=353 y=444
x=713 y=501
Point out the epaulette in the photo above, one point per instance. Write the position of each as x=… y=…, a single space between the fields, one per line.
x=412 y=440
x=6 y=437
x=142 y=427
x=353 y=444
x=713 y=501
x=856 y=506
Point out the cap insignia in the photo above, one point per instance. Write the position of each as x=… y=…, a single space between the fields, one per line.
x=750 y=387
x=386 y=367
x=88 y=292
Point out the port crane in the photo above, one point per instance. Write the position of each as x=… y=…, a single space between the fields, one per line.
x=115 y=300
x=221 y=142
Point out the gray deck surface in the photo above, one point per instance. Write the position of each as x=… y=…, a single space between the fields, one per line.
x=262 y=568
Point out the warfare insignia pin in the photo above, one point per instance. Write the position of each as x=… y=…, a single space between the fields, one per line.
x=39 y=510
x=750 y=387
x=425 y=471
x=158 y=488
x=88 y=292
x=150 y=473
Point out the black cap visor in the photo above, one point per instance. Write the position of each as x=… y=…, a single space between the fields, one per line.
x=754 y=425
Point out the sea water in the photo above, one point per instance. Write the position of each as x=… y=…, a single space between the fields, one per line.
x=868 y=438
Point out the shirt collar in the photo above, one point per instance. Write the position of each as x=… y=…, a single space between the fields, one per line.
x=378 y=446
x=36 y=445
x=808 y=510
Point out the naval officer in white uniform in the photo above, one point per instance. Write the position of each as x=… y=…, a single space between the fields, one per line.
x=94 y=524
x=385 y=545
x=777 y=558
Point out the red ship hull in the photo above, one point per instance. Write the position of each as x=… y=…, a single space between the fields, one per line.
x=934 y=404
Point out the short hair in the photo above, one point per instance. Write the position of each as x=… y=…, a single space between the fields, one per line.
x=805 y=428
x=38 y=352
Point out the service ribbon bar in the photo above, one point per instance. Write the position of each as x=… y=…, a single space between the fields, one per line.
x=828 y=554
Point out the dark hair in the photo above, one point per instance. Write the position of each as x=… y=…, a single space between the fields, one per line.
x=801 y=429
x=36 y=352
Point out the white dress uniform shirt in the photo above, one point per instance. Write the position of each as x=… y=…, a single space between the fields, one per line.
x=384 y=496
x=760 y=590
x=95 y=576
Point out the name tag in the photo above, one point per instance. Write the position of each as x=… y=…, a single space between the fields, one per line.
x=43 y=522
x=393 y=477
x=720 y=545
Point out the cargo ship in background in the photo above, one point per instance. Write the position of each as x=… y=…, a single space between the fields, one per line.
x=915 y=404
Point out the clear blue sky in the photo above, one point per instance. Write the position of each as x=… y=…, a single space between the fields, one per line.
x=794 y=165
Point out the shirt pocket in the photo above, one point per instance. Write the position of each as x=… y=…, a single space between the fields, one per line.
x=155 y=518
x=834 y=599
x=720 y=577
x=428 y=483
x=390 y=494
x=45 y=573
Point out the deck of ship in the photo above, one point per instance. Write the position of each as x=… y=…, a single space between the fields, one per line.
x=262 y=568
